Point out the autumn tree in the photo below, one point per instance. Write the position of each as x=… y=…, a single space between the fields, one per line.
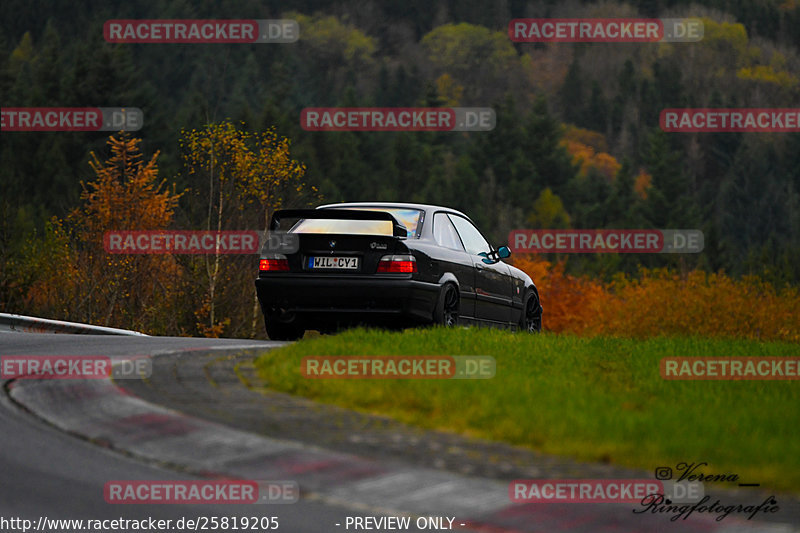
x=548 y=212
x=131 y=291
x=467 y=51
x=38 y=268
x=242 y=178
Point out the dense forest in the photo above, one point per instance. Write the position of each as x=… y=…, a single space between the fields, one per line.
x=577 y=141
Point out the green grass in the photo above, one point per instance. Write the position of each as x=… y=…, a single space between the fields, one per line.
x=595 y=399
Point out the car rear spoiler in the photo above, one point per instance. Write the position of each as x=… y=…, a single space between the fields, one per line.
x=398 y=230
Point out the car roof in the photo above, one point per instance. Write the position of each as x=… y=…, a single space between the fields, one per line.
x=402 y=205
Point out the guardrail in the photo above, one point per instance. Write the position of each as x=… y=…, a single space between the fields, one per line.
x=30 y=324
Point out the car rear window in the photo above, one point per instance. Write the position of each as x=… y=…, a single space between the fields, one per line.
x=409 y=218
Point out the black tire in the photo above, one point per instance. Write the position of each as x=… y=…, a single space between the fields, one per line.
x=283 y=331
x=531 y=318
x=446 y=312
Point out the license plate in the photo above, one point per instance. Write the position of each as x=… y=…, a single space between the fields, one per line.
x=333 y=263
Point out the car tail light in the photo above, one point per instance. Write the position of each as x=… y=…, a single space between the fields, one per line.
x=397 y=263
x=274 y=264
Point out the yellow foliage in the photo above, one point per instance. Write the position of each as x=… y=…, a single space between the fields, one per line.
x=549 y=212
x=767 y=74
x=721 y=35
x=249 y=176
x=331 y=40
x=25 y=51
x=245 y=168
x=449 y=91
x=57 y=275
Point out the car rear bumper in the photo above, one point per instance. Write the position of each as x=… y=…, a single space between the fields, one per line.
x=329 y=300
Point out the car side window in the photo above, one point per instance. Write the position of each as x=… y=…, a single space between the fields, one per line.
x=445 y=234
x=470 y=236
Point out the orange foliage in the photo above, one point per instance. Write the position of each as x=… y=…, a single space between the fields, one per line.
x=125 y=291
x=642 y=183
x=593 y=139
x=660 y=302
x=586 y=156
x=568 y=302
x=126 y=194
x=606 y=164
x=66 y=273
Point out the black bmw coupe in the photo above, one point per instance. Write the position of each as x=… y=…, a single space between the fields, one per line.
x=389 y=265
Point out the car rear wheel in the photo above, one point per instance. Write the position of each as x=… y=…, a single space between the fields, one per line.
x=446 y=313
x=278 y=330
x=531 y=319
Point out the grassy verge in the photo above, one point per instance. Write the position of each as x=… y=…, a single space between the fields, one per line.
x=595 y=399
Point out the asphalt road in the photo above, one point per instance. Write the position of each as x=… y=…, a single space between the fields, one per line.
x=47 y=473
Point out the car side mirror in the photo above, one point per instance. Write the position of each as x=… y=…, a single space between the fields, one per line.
x=488 y=258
